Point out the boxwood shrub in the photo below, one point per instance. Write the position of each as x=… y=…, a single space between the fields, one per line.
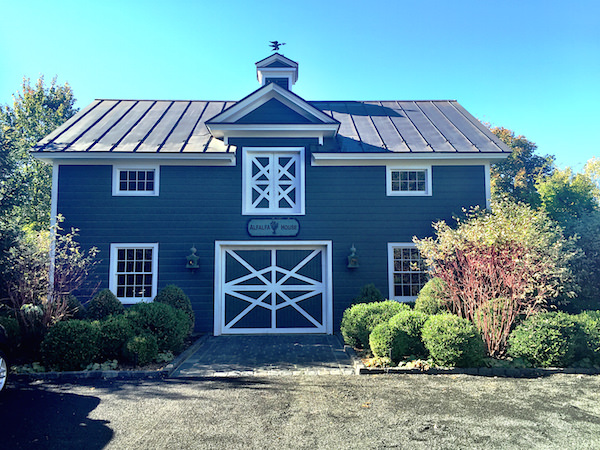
x=170 y=326
x=549 y=339
x=115 y=331
x=71 y=345
x=359 y=320
x=453 y=341
x=589 y=321
x=431 y=298
x=174 y=296
x=104 y=304
x=141 y=349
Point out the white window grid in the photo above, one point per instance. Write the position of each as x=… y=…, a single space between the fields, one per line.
x=407 y=271
x=134 y=276
x=408 y=181
x=135 y=181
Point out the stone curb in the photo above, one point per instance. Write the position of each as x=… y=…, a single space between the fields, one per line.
x=111 y=374
x=508 y=372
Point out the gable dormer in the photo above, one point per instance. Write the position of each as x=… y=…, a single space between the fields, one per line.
x=272 y=111
x=277 y=69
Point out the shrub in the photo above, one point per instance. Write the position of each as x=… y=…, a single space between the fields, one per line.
x=511 y=252
x=71 y=345
x=115 y=331
x=104 y=304
x=75 y=309
x=384 y=341
x=369 y=294
x=141 y=349
x=432 y=297
x=589 y=321
x=169 y=325
x=174 y=296
x=453 y=341
x=13 y=331
x=547 y=339
x=412 y=323
x=359 y=320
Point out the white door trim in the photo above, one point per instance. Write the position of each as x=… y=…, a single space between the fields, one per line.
x=222 y=246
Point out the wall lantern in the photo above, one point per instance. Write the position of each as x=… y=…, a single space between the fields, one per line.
x=352 y=258
x=192 y=259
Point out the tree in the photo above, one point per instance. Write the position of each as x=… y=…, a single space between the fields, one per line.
x=592 y=170
x=499 y=265
x=515 y=176
x=566 y=197
x=36 y=111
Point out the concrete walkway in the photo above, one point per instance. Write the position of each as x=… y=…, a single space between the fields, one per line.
x=250 y=355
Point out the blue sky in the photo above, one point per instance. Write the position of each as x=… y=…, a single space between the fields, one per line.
x=531 y=66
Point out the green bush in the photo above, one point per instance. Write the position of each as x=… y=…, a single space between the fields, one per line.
x=71 y=345
x=369 y=294
x=384 y=340
x=104 y=304
x=115 y=331
x=174 y=296
x=589 y=322
x=75 y=309
x=551 y=339
x=411 y=322
x=432 y=297
x=141 y=349
x=359 y=320
x=453 y=341
x=170 y=326
x=13 y=331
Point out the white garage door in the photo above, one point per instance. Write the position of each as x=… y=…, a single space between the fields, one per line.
x=268 y=288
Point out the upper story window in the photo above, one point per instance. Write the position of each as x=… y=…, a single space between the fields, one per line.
x=408 y=181
x=273 y=180
x=141 y=181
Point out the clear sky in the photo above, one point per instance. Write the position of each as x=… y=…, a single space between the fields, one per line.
x=529 y=65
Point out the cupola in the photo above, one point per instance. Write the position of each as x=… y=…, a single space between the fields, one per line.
x=277 y=69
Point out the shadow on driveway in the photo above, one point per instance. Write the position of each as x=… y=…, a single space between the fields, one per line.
x=35 y=417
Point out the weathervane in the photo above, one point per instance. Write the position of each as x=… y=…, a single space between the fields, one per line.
x=275 y=45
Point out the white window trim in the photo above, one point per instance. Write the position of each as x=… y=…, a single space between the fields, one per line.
x=247 y=209
x=391 y=290
x=114 y=248
x=115 y=180
x=428 y=183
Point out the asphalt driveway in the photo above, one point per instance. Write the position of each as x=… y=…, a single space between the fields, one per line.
x=384 y=411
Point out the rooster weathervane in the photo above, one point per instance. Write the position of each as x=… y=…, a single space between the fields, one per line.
x=275 y=45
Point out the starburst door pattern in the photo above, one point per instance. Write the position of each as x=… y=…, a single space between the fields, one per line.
x=282 y=289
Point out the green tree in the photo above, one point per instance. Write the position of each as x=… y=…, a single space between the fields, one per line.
x=567 y=197
x=592 y=170
x=515 y=176
x=37 y=110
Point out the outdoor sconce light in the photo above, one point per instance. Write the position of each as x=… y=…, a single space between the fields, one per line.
x=192 y=259
x=352 y=258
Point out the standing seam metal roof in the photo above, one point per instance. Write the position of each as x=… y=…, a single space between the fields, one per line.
x=164 y=126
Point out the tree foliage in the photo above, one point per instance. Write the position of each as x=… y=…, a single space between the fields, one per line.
x=567 y=197
x=515 y=176
x=25 y=182
x=499 y=265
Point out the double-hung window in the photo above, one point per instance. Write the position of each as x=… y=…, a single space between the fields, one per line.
x=273 y=181
x=408 y=181
x=134 y=272
x=135 y=181
x=406 y=270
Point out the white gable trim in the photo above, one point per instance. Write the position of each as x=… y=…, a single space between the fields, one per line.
x=223 y=125
x=389 y=158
